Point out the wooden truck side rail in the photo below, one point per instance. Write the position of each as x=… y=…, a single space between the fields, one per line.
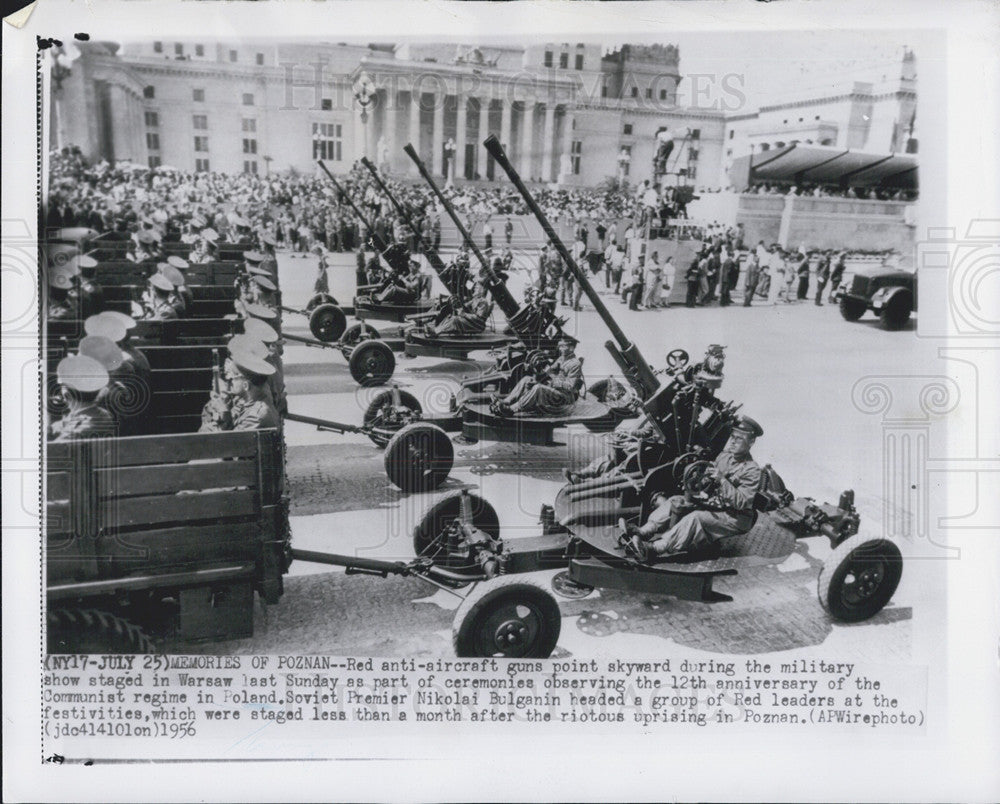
x=173 y=533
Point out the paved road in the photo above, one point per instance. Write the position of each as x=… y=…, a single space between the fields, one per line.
x=793 y=367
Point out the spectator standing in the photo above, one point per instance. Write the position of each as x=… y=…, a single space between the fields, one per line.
x=822 y=275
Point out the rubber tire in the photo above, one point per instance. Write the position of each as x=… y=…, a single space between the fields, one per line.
x=382 y=398
x=897 y=312
x=399 y=458
x=94 y=631
x=327 y=323
x=837 y=567
x=318 y=299
x=484 y=517
x=371 y=350
x=469 y=630
x=351 y=336
x=852 y=309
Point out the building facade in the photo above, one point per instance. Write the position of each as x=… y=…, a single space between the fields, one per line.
x=566 y=113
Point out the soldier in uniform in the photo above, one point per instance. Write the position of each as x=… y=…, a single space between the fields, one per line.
x=91 y=293
x=250 y=408
x=837 y=275
x=469 y=317
x=753 y=277
x=270 y=260
x=508 y=230
x=179 y=296
x=733 y=480
x=124 y=394
x=146 y=247
x=181 y=265
x=263 y=332
x=61 y=306
x=551 y=392
x=115 y=327
x=81 y=379
x=204 y=247
x=155 y=304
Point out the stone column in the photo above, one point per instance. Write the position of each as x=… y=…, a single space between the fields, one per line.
x=505 y=125
x=437 y=136
x=414 y=128
x=527 y=136
x=460 y=123
x=548 y=144
x=484 y=128
x=390 y=128
x=119 y=134
x=565 y=165
x=359 y=135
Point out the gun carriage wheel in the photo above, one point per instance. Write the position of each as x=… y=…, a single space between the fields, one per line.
x=371 y=363
x=419 y=457
x=385 y=417
x=356 y=333
x=318 y=299
x=859 y=577
x=327 y=322
x=444 y=532
x=507 y=617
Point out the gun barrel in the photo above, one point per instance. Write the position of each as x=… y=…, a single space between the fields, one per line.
x=432 y=256
x=357 y=211
x=492 y=144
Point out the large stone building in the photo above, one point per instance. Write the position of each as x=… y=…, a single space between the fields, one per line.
x=566 y=112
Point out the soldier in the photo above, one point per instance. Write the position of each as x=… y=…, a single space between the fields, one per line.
x=837 y=275
x=181 y=294
x=263 y=332
x=250 y=408
x=61 y=306
x=436 y=231
x=204 y=248
x=124 y=394
x=467 y=318
x=91 y=293
x=508 y=230
x=155 y=304
x=181 y=265
x=115 y=327
x=146 y=246
x=551 y=392
x=270 y=260
x=322 y=283
x=733 y=481
x=81 y=379
x=752 y=278
x=822 y=276
x=802 y=271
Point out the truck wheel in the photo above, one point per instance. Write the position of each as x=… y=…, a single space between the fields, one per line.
x=93 y=631
x=327 y=323
x=507 y=617
x=318 y=299
x=859 y=577
x=419 y=457
x=371 y=363
x=430 y=536
x=852 y=309
x=897 y=312
x=356 y=333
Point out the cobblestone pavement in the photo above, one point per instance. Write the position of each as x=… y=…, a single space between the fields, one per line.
x=793 y=367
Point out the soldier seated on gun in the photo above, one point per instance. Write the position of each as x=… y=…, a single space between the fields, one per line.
x=626 y=440
x=81 y=379
x=405 y=287
x=682 y=524
x=155 y=302
x=467 y=318
x=550 y=391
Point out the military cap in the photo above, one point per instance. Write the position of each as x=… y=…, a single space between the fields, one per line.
x=106 y=326
x=59 y=253
x=198 y=222
x=715 y=350
x=247 y=343
x=60 y=277
x=238 y=221
x=260 y=330
x=160 y=282
x=159 y=216
x=264 y=282
x=86 y=261
x=71 y=267
x=259 y=310
x=178 y=262
x=146 y=237
x=81 y=373
x=569 y=339
x=747 y=425
x=250 y=365
x=175 y=277
x=209 y=235
x=267 y=240
x=126 y=320
x=103 y=350
x=74 y=232
x=259 y=270
x=252 y=256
